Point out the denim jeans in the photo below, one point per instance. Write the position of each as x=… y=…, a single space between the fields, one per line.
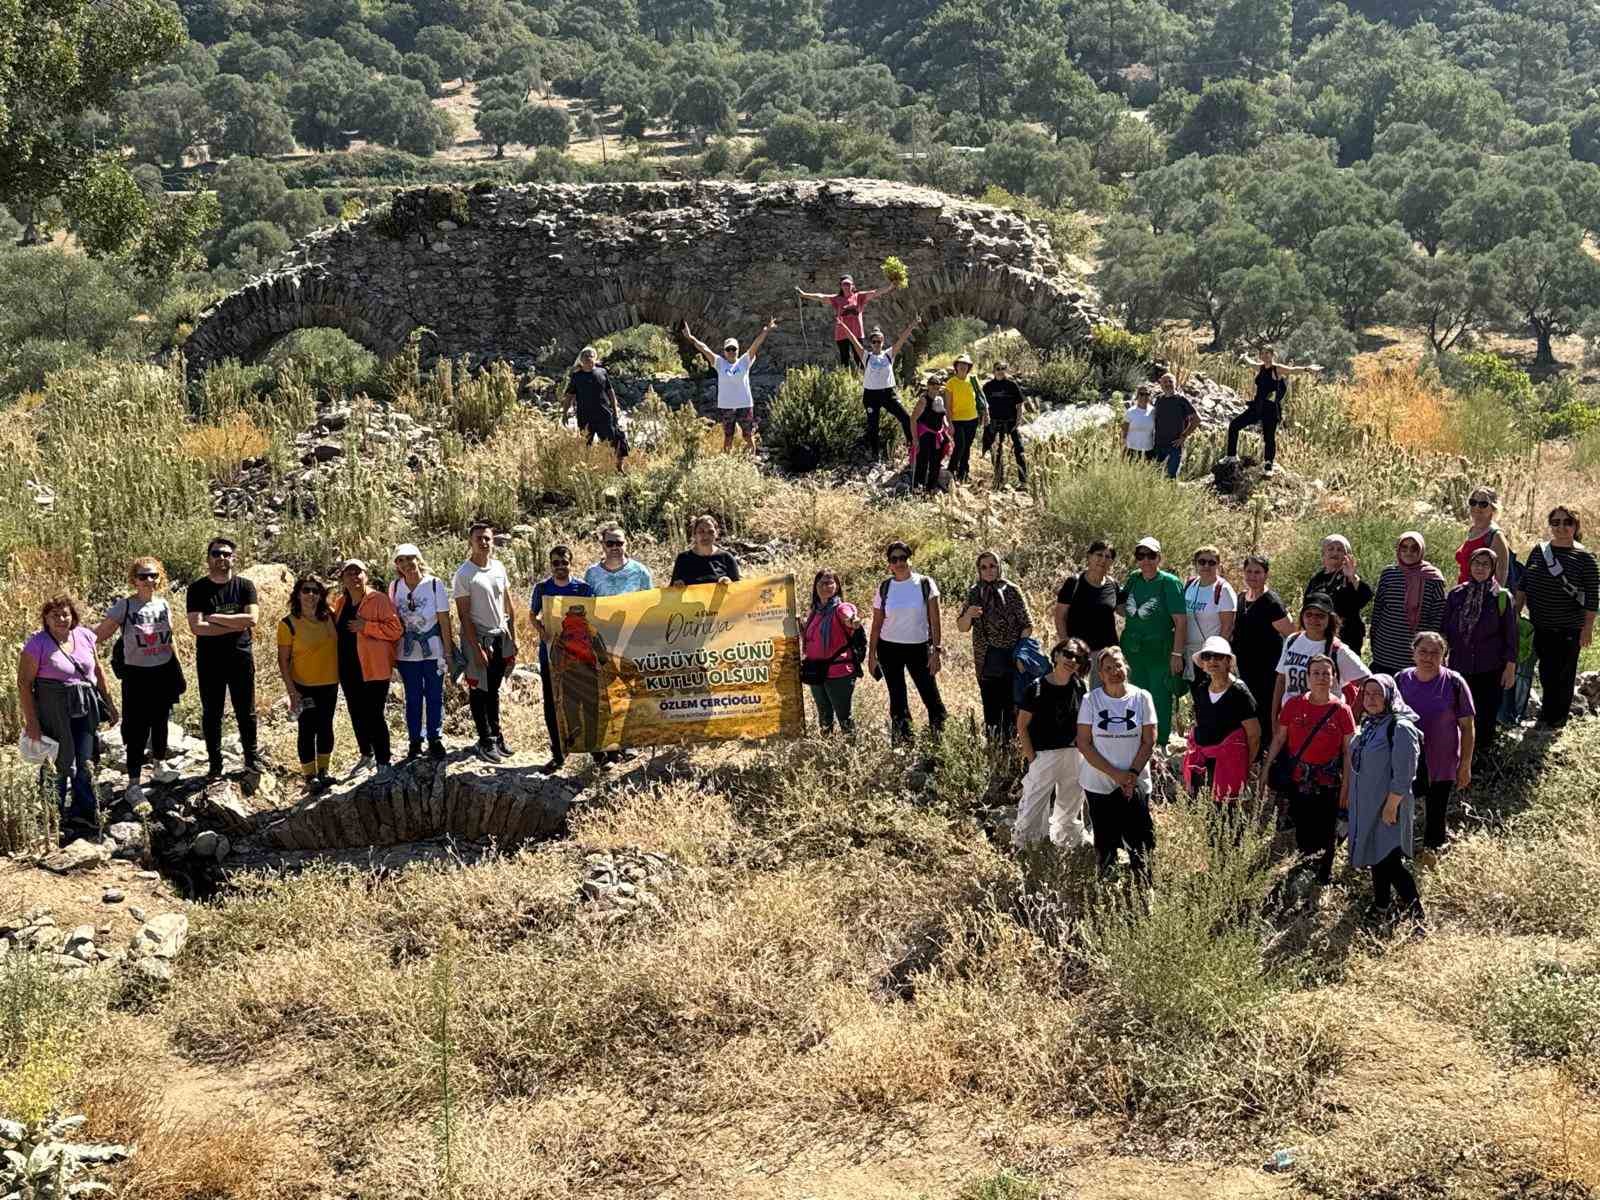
x=1170 y=457
x=424 y=686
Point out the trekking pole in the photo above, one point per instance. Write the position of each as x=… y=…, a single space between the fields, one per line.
x=800 y=307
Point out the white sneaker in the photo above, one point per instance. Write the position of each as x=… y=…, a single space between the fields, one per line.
x=1270 y=469
x=366 y=763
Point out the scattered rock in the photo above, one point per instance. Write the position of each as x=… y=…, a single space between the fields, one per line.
x=112 y=896
x=76 y=856
x=163 y=936
x=222 y=807
x=206 y=844
x=136 y=912
x=156 y=970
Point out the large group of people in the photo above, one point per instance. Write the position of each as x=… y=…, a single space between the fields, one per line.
x=1284 y=713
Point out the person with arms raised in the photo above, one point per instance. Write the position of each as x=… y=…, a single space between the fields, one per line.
x=484 y=607
x=1116 y=740
x=879 y=392
x=849 y=307
x=735 y=402
x=222 y=611
x=907 y=638
x=1086 y=603
x=1266 y=410
x=1047 y=735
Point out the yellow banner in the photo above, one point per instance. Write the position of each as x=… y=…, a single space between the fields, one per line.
x=676 y=666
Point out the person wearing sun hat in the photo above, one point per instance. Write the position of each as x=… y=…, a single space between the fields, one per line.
x=1155 y=631
x=427 y=646
x=965 y=405
x=1227 y=728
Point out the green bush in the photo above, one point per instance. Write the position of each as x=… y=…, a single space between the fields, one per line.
x=1065 y=379
x=1122 y=501
x=642 y=350
x=817 y=418
x=1548 y=1012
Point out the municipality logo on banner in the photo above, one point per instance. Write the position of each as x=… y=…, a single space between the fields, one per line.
x=676 y=666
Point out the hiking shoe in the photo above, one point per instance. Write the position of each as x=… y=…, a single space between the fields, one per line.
x=214 y=773
x=436 y=750
x=554 y=765
x=489 y=752
x=365 y=763
x=385 y=774
x=500 y=744
x=254 y=764
x=414 y=750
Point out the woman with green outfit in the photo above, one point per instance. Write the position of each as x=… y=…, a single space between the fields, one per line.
x=1153 y=637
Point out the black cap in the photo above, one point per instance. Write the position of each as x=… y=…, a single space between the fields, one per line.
x=1319 y=600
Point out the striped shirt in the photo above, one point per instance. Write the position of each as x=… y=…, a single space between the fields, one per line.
x=1391 y=632
x=1549 y=605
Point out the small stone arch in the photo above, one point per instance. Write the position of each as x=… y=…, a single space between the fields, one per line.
x=249 y=322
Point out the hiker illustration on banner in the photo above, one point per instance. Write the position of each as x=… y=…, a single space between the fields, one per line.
x=676 y=666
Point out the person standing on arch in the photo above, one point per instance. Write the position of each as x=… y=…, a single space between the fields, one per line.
x=734 y=401
x=848 y=305
x=1266 y=410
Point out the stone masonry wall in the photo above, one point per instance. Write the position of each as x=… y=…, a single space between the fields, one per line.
x=505 y=273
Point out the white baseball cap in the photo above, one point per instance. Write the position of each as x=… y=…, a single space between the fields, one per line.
x=406 y=550
x=1148 y=543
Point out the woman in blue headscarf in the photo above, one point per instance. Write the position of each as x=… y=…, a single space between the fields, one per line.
x=1383 y=771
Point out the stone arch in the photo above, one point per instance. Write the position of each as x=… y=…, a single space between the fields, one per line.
x=505 y=273
x=247 y=323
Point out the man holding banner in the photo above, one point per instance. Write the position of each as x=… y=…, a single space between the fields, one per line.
x=558 y=583
x=679 y=666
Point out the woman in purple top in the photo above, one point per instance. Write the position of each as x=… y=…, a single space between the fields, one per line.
x=59 y=689
x=1480 y=624
x=1443 y=703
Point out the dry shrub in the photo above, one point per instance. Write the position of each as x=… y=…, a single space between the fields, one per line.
x=222 y=448
x=179 y=1156
x=1400 y=406
x=1411 y=1154
x=1524 y=883
x=45 y=1018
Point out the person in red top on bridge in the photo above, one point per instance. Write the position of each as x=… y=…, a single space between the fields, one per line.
x=848 y=306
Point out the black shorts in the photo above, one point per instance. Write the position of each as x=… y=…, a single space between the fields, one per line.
x=601 y=425
x=737 y=416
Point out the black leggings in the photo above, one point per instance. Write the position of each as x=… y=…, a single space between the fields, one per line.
x=1435 y=804
x=146 y=705
x=314 y=738
x=877 y=402
x=1315 y=811
x=897 y=659
x=999 y=707
x=998 y=433
x=847 y=353
x=961 y=457
x=1486 y=697
x=1265 y=413
x=364 y=699
x=485 y=701
x=1120 y=820
x=1558 y=673
x=927 y=473
x=1392 y=875
x=230 y=675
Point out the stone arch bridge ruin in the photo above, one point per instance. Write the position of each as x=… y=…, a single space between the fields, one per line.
x=508 y=273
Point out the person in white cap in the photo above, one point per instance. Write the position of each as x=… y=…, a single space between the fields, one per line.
x=734 y=401
x=849 y=305
x=368 y=631
x=422 y=601
x=1155 y=631
x=1227 y=727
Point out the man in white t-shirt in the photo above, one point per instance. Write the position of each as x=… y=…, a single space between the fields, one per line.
x=906 y=637
x=734 y=401
x=482 y=593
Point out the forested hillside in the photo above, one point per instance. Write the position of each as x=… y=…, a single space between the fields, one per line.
x=1259 y=168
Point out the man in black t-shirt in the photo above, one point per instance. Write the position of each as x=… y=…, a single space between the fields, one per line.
x=1004 y=400
x=598 y=413
x=222 y=612
x=1175 y=420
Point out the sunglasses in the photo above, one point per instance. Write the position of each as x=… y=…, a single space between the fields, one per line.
x=308 y=590
x=1205 y=562
x=612 y=545
x=1212 y=656
x=220 y=553
x=146 y=575
x=1480 y=503
x=899 y=558
x=1141 y=555
x=1563 y=523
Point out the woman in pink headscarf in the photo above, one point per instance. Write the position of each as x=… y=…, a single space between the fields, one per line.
x=1410 y=599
